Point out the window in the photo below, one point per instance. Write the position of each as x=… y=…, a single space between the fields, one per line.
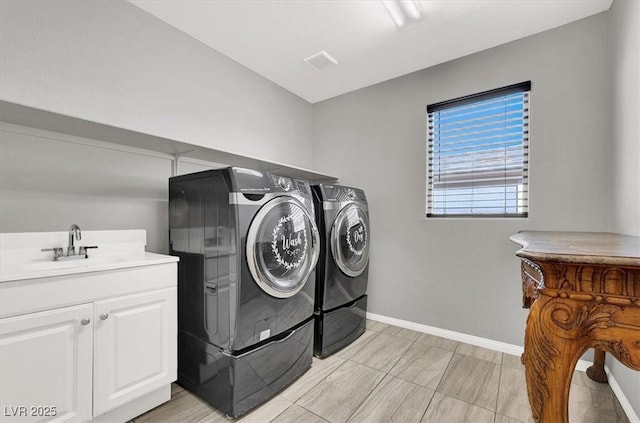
x=477 y=154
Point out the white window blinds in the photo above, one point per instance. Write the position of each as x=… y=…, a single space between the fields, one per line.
x=478 y=158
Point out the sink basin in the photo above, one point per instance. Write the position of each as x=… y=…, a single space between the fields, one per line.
x=21 y=255
x=72 y=264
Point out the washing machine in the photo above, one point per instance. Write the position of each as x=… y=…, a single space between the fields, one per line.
x=248 y=246
x=342 y=215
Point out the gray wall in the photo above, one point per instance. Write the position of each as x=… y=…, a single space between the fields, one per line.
x=48 y=183
x=624 y=48
x=461 y=274
x=50 y=180
x=110 y=62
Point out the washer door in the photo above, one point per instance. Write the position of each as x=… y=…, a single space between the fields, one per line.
x=282 y=247
x=350 y=240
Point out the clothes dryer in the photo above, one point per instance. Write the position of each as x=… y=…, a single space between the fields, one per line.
x=248 y=245
x=342 y=214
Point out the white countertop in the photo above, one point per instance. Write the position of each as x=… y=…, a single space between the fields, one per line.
x=46 y=269
x=21 y=256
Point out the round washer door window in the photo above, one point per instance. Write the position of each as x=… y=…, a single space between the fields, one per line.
x=350 y=240
x=282 y=247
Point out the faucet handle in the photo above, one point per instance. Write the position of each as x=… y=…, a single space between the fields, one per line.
x=57 y=251
x=83 y=250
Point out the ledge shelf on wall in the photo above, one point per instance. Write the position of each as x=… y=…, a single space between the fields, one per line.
x=26 y=116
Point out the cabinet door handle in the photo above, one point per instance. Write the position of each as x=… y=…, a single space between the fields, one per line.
x=85 y=321
x=104 y=316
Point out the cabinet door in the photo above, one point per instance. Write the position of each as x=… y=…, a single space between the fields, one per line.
x=135 y=344
x=46 y=366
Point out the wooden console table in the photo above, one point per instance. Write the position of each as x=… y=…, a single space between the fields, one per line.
x=583 y=290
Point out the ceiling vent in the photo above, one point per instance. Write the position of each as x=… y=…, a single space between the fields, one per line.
x=321 y=60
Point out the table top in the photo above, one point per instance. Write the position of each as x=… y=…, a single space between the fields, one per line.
x=579 y=247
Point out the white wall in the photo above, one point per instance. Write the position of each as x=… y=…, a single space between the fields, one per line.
x=624 y=48
x=461 y=274
x=112 y=63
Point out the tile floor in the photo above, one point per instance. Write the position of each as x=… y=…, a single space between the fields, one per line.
x=391 y=374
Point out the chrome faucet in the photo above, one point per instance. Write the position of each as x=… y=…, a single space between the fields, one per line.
x=74 y=231
x=58 y=252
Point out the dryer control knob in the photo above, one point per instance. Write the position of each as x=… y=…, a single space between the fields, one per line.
x=284 y=184
x=351 y=194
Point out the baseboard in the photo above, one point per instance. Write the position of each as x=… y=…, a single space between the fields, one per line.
x=461 y=337
x=622 y=399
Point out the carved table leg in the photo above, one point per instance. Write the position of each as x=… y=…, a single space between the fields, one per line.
x=551 y=354
x=596 y=371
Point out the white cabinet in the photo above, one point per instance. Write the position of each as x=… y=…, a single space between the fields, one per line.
x=134 y=347
x=46 y=365
x=96 y=346
x=119 y=349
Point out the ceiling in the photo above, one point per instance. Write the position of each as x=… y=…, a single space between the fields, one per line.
x=272 y=37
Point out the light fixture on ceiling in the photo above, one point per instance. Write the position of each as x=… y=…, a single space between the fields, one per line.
x=321 y=60
x=404 y=13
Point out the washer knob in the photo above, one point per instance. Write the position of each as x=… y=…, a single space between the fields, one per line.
x=284 y=183
x=351 y=194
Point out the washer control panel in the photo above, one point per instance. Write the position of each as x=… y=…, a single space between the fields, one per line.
x=342 y=193
x=286 y=184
